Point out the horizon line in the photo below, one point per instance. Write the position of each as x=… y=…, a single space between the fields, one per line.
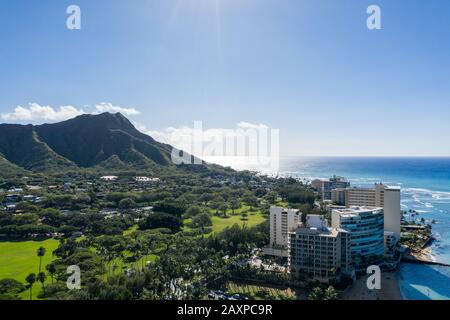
x=365 y=156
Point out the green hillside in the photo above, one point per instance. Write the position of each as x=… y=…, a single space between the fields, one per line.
x=107 y=141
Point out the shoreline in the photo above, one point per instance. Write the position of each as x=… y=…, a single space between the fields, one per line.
x=395 y=285
x=425 y=254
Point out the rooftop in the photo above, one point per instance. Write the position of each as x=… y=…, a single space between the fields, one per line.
x=397 y=188
x=325 y=232
x=355 y=211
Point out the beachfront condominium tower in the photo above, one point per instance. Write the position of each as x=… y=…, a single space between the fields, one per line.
x=392 y=211
x=366 y=228
x=386 y=197
x=319 y=252
x=282 y=221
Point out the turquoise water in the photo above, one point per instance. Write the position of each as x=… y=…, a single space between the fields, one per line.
x=425 y=186
x=421 y=282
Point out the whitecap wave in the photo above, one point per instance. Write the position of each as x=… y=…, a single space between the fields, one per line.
x=437 y=195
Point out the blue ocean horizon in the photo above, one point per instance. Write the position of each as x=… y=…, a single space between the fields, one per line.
x=425 y=184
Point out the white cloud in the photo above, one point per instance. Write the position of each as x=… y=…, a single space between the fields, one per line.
x=184 y=138
x=247 y=146
x=35 y=113
x=109 y=107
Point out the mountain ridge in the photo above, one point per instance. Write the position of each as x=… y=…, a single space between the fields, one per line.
x=105 y=140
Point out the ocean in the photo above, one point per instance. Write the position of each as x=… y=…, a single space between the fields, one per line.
x=425 y=184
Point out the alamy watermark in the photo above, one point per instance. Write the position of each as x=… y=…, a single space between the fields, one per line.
x=73 y=22
x=252 y=146
x=74 y=280
x=374 y=19
x=374 y=279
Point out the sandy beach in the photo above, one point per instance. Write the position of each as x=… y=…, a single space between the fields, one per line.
x=390 y=289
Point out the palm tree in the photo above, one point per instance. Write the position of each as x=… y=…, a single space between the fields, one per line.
x=223 y=207
x=40 y=253
x=316 y=294
x=330 y=294
x=137 y=248
x=234 y=204
x=215 y=205
x=51 y=270
x=31 y=279
x=41 y=277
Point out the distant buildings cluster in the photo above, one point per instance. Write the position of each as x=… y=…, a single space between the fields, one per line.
x=15 y=195
x=325 y=187
x=139 y=181
x=365 y=229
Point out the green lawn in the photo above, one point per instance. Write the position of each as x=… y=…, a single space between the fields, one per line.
x=256 y=291
x=18 y=259
x=130 y=230
x=220 y=223
x=254 y=217
x=122 y=265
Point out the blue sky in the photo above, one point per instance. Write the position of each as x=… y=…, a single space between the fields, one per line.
x=310 y=68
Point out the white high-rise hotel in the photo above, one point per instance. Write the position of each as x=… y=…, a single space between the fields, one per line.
x=354 y=241
x=363 y=231
x=281 y=222
x=319 y=252
x=382 y=196
x=366 y=228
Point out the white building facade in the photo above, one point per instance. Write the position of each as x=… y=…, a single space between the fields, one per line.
x=366 y=228
x=386 y=197
x=392 y=211
x=282 y=221
x=318 y=252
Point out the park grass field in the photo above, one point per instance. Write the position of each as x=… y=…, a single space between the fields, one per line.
x=220 y=223
x=258 y=292
x=130 y=230
x=252 y=218
x=19 y=259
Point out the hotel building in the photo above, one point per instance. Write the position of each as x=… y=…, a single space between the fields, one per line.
x=319 y=252
x=366 y=228
x=383 y=196
x=281 y=221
